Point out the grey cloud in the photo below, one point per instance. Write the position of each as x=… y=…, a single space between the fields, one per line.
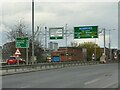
x=55 y=14
x=12 y=8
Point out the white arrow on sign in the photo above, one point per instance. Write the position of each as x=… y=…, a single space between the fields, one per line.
x=17 y=52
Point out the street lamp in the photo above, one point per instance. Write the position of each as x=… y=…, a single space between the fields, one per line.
x=103 y=30
x=110 y=44
x=32 y=31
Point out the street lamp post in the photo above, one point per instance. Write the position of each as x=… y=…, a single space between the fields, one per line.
x=104 y=42
x=110 y=53
x=66 y=40
x=32 y=31
x=109 y=46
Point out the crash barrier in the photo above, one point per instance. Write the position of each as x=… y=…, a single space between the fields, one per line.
x=11 y=69
x=113 y=61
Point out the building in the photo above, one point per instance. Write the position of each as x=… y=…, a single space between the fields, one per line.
x=53 y=46
x=68 y=54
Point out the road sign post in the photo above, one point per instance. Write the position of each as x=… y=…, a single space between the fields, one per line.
x=17 y=53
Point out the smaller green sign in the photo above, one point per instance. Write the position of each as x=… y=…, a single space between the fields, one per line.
x=22 y=42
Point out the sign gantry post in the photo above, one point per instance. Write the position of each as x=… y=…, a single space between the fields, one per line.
x=84 y=32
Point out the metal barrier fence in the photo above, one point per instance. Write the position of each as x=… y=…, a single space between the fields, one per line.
x=11 y=69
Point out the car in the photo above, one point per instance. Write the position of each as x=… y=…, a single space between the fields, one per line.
x=15 y=60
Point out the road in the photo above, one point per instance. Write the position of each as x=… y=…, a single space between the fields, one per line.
x=91 y=76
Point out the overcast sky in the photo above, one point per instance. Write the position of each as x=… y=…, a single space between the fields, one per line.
x=52 y=14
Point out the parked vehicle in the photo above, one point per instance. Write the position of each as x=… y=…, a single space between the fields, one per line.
x=15 y=60
x=49 y=58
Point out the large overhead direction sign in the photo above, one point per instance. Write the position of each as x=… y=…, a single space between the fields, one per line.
x=56 y=33
x=85 y=32
x=22 y=42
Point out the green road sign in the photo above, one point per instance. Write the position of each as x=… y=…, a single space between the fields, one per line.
x=22 y=42
x=56 y=33
x=85 y=32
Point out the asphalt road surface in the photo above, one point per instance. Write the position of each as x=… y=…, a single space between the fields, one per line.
x=92 y=76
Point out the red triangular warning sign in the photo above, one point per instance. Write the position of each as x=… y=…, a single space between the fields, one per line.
x=17 y=52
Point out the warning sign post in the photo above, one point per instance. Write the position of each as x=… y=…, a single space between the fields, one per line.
x=17 y=53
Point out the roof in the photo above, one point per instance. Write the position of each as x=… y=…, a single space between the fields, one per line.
x=71 y=47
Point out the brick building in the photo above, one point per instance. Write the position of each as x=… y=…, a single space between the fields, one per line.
x=68 y=54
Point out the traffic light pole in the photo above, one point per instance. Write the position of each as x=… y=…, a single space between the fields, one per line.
x=45 y=43
x=45 y=38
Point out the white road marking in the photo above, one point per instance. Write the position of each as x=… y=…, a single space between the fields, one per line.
x=112 y=84
x=27 y=86
x=92 y=81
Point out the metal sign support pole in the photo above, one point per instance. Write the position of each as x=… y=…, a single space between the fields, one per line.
x=26 y=56
x=95 y=50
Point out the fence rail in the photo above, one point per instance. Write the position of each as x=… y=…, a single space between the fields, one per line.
x=11 y=69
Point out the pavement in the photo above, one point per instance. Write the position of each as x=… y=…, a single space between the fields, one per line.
x=91 y=76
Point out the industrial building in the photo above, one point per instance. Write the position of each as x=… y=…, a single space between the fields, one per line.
x=67 y=54
x=53 y=46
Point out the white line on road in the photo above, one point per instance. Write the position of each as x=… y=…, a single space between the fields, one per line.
x=27 y=86
x=92 y=81
x=112 y=85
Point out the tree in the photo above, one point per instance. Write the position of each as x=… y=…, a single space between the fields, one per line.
x=19 y=30
x=74 y=44
x=90 y=46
